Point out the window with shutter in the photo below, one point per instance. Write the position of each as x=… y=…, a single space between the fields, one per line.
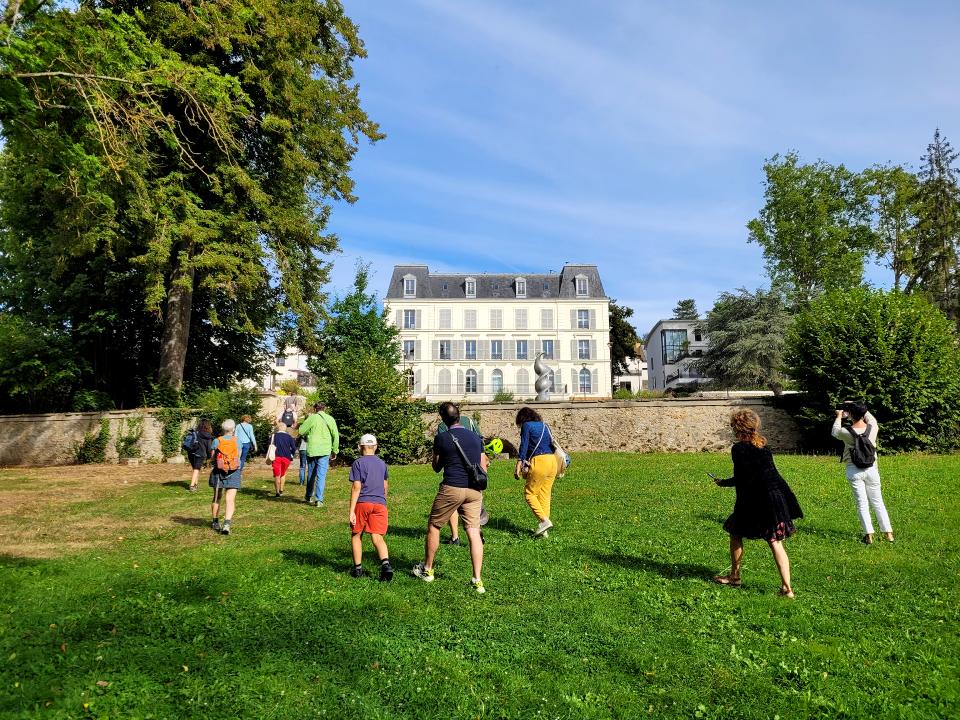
x=445 y=319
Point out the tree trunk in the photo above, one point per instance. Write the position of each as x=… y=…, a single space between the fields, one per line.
x=176 y=328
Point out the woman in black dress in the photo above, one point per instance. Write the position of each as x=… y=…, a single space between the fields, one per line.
x=765 y=507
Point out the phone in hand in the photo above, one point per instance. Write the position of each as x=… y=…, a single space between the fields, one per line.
x=712 y=476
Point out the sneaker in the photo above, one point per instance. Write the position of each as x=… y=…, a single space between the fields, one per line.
x=357 y=572
x=421 y=571
x=318 y=503
x=277 y=494
x=215 y=525
x=451 y=541
x=192 y=488
x=477 y=585
x=542 y=528
x=225 y=528
x=386 y=572
x=311 y=502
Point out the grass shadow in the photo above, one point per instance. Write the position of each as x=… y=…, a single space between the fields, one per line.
x=191 y=521
x=185 y=484
x=830 y=533
x=669 y=570
x=342 y=562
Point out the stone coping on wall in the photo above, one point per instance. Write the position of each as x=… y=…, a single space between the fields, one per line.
x=602 y=404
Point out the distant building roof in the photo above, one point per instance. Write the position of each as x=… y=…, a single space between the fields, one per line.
x=492 y=286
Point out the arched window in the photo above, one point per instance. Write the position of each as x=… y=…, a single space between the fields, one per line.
x=443 y=381
x=497 y=381
x=585 y=385
x=471 y=385
x=522 y=381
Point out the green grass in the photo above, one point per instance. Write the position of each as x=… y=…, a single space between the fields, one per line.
x=612 y=616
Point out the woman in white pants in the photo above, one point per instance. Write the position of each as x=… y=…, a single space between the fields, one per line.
x=864 y=482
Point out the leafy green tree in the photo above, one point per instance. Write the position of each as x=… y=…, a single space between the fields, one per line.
x=623 y=337
x=938 y=227
x=895 y=351
x=37 y=368
x=166 y=177
x=358 y=378
x=814 y=227
x=686 y=310
x=893 y=192
x=747 y=334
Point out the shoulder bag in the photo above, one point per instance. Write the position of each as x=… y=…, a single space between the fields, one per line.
x=476 y=475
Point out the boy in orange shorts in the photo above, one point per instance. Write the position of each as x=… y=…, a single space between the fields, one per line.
x=368 y=507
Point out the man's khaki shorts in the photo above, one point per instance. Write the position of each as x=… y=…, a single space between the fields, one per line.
x=451 y=499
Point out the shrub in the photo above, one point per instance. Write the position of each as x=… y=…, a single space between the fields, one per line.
x=364 y=393
x=128 y=437
x=896 y=352
x=171 y=420
x=623 y=395
x=90 y=401
x=93 y=447
x=217 y=405
x=503 y=396
x=291 y=387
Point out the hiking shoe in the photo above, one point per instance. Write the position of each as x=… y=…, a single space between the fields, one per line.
x=478 y=587
x=215 y=525
x=421 y=571
x=225 y=528
x=357 y=572
x=192 y=488
x=452 y=541
x=542 y=528
x=386 y=572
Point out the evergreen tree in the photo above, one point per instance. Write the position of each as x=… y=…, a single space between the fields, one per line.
x=686 y=310
x=938 y=227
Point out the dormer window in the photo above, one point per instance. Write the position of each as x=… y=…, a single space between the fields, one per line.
x=582 y=286
x=470 y=285
x=521 y=287
x=409 y=286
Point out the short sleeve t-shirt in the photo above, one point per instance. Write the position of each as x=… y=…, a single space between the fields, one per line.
x=454 y=473
x=285 y=444
x=371 y=472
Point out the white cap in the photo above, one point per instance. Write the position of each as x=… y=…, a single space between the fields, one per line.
x=368 y=439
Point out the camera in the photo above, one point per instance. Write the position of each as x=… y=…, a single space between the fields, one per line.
x=846 y=406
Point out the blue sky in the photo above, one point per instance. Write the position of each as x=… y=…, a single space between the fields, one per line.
x=521 y=135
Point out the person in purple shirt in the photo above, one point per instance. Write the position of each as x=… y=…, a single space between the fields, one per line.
x=368 y=507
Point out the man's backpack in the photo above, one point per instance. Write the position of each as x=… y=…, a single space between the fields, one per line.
x=228 y=454
x=190 y=440
x=863 y=453
x=287 y=418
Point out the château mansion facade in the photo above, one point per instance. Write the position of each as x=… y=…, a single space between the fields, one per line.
x=473 y=336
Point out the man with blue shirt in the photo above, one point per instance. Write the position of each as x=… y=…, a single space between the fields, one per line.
x=455 y=494
x=323 y=444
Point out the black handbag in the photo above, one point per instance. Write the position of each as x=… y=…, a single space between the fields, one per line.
x=476 y=475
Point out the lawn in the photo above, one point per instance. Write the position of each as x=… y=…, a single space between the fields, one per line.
x=118 y=601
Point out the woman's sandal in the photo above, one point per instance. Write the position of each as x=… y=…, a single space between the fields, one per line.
x=727 y=580
x=786 y=592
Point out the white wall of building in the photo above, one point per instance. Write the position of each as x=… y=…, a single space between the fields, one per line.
x=669 y=359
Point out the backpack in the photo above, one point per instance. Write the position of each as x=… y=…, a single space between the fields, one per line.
x=190 y=440
x=287 y=418
x=228 y=454
x=863 y=453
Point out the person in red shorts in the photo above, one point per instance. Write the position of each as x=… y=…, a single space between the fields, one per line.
x=285 y=448
x=368 y=507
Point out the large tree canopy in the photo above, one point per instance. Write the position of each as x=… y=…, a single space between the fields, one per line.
x=166 y=176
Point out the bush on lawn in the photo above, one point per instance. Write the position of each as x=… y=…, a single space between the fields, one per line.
x=896 y=352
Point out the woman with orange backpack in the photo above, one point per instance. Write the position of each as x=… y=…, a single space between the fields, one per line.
x=225 y=476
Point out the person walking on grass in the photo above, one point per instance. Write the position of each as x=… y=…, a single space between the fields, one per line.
x=537 y=465
x=765 y=507
x=302 y=454
x=225 y=477
x=323 y=444
x=455 y=494
x=247 y=439
x=200 y=452
x=368 y=507
x=284 y=449
x=469 y=424
x=862 y=472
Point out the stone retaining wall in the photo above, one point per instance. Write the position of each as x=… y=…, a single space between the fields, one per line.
x=649 y=426
x=38 y=440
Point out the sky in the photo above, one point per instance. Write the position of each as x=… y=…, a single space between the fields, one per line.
x=630 y=135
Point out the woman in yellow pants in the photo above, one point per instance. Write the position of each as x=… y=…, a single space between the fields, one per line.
x=537 y=465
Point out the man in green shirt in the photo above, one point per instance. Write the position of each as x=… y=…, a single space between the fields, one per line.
x=323 y=444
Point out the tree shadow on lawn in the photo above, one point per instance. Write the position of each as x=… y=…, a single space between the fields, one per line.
x=185 y=484
x=669 y=570
x=191 y=521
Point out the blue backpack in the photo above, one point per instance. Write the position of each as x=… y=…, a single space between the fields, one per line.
x=190 y=440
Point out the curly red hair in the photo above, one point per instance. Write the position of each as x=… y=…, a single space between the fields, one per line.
x=746 y=426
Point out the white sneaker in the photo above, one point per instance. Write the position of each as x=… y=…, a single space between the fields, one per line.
x=542 y=528
x=423 y=573
x=478 y=587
